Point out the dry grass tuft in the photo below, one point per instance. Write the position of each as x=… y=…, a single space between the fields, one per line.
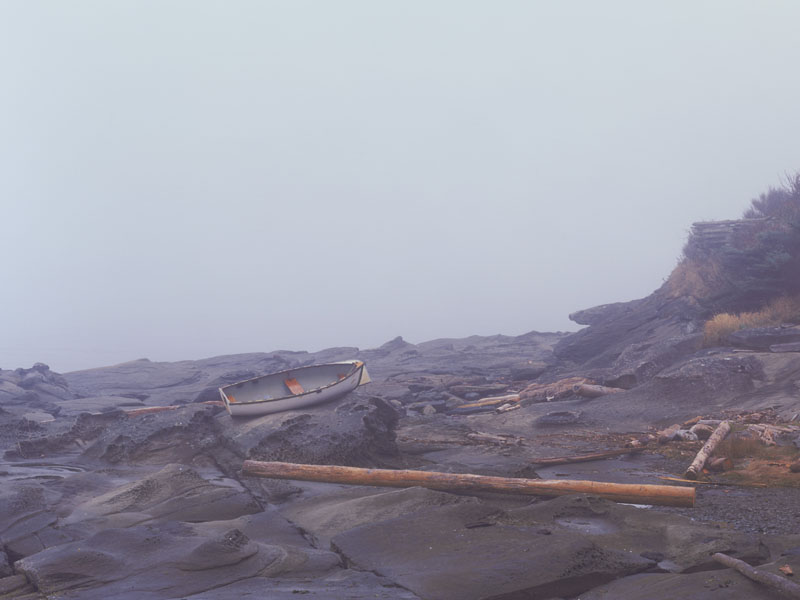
x=785 y=309
x=737 y=447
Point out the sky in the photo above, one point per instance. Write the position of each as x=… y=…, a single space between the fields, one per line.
x=189 y=178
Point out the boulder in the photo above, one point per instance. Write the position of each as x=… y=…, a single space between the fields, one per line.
x=641 y=362
x=710 y=376
x=528 y=370
x=357 y=432
x=560 y=417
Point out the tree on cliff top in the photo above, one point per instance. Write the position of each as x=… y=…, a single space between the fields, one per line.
x=760 y=260
x=780 y=203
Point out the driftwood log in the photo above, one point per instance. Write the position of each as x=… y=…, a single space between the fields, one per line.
x=493 y=401
x=707 y=450
x=776 y=582
x=157 y=409
x=665 y=495
x=490 y=438
x=547 y=392
x=702 y=432
x=767 y=433
x=668 y=434
x=587 y=390
x=483 y=390
x=566 y=460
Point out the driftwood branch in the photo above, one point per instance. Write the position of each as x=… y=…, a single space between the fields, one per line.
x=715 y=483
x=707 y=450
x=566 y=460
x=493 y=401
x=588 y=390
x=454 y=482
x=489 y=438
x=668 y=434
x=776 y=582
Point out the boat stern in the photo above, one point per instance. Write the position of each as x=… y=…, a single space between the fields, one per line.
x=226 y=401
x=365 y=378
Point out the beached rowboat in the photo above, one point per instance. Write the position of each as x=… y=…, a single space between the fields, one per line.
x=294 y=388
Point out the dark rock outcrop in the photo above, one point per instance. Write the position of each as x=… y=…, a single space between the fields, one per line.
x=618 y=326
x=761 y=338
x=357 y=432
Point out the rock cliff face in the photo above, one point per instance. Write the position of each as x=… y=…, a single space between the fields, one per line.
x=615 y=329
x=653 y=347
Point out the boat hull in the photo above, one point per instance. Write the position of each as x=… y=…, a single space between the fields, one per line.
x=269 y=394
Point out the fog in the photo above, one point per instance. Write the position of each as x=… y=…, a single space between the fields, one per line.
x=183 y=179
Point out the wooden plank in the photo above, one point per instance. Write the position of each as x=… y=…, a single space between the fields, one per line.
x=666 y=495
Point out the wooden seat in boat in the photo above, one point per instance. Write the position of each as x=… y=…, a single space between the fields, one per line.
x=294 y=386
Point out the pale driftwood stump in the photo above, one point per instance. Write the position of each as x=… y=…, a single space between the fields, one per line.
x=708 y=448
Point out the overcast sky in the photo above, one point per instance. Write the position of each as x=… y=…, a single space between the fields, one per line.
x=182 y=179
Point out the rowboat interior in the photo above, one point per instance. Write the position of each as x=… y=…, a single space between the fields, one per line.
x=288 y=383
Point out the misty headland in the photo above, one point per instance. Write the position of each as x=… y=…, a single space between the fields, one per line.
x=119 y=481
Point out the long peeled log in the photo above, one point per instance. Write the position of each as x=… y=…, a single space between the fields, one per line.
x=707 y=450
x=665 y=495
x=783 y=585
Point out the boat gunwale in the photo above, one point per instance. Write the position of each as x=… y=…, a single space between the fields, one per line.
x=357 y=365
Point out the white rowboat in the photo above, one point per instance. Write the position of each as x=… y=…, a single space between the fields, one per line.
x=294 y=388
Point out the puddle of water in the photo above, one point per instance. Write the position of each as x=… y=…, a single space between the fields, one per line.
x=589 y=525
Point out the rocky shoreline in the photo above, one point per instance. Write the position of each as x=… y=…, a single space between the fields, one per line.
x=100 y=504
